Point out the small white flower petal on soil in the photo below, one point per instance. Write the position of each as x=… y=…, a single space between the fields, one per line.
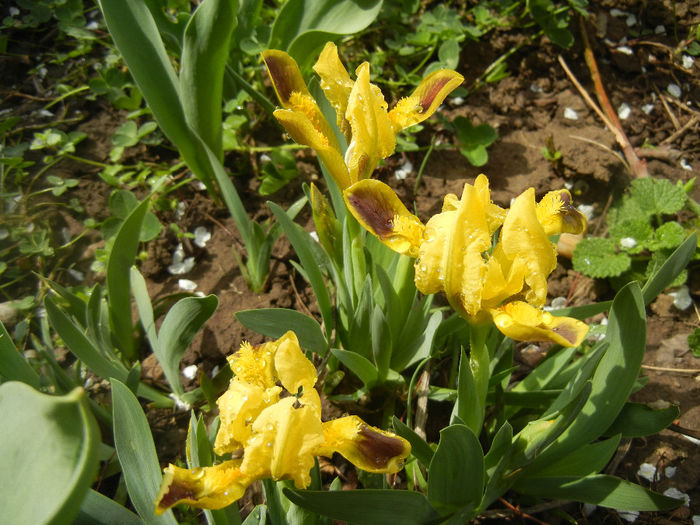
x=189 y=372
x=659 y=30
x=570 y=114
x=14 y=11
x=215 y=371
x=265 y=158
x=535 y=88
x=4 y=233
x=628 y=242
x=669 y=472
x=76 y=274
x=201 y=236
x=586 y=210
x=648 y=108
x=180 y=404
x=686 y=165
x=673 y=492
x=625 y=50
x=647 y=471
x=180 y=210
x=314 y=235
x=199 y=185
x=629 y=516
x=681 y=298
x=404 y=170
x=624 y=111
x=674 y=90
x=631 y=20
x=180 y=264
x=618 y=12
x=187 y=285
x=687 y=61
x=456 y=101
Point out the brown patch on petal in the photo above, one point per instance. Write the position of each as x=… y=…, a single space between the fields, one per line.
x=278 y=73
x=379 y=449
x=376 y=216
x=566 y=332
x=176 y=493
x=427 y=100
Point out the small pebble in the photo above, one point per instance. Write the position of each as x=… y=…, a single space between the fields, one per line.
x=674 y=90
x=570 y=114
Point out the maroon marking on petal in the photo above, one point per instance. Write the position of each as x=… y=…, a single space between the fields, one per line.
x=378 y=448
x=372 y=212
x=566 y=332
x=176 y=493
x=429 y=97
x=279 y=77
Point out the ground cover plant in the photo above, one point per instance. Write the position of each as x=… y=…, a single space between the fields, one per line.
x=316 y=262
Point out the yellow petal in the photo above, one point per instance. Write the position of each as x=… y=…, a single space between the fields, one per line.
x=381 y=212
x=366 y=447
x=373 y=136
x=557 y=215
x=293 y=369
x=285 y=436
x=206 y=487
x=425 y=99
x=302 y=131
x=254 y=364
x=335 y=83
x=285 y=75
x=522 y=236
x=523 y=322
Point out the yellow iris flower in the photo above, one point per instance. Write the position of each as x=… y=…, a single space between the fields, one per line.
x=505 y=283
x=271 y=425
x=362 y=116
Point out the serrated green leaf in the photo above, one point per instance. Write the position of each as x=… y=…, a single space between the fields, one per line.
x=668 y=236
x=596 y=257
x=631 y=235
x=657 y=196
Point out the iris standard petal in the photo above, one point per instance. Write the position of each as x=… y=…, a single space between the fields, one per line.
x=557 y=215
x=205 y=487
x=379 y=210
x=336 y=84
x=366 y=447
x=292 y=367
x=285 y=75
x=425 y=100
x=524 y=322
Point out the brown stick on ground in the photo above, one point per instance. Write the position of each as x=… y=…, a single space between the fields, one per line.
x=637 y=166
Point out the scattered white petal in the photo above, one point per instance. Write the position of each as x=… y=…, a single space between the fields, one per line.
x=659 y=404
x=648 y=108
x=404 y=170
x=558 y=302
x=76 y=274
x=570 y=113
x=201 y=236
x=92 y=26
x=681 y=298
x=623 y=40
x=180 y=264
x=674 y=90
x=687 y=61
x=586 y=210
x=568 y=185
x=659 y=30
x=264 y=158
x=625 y=50
x=42 y=71
x=535 y=88
x=45 y=113
x=618 y=12
x=686 y=165
x=631 y=20
x=669 y=472
x=628 y=515
x=30 y=227
x=189 y=372
x=694 y=441
x=673 y=492
x=14 y=11
x=199 y=293
x=457 y=101
x=628 y=242
x=4 y=233
x=624 y=111
x=314 y=235
x=215 y=371
x=180 y=210
x=180 y=404
x=647 y=471
x=589 y=508
x=187 y=285
x=200 y=185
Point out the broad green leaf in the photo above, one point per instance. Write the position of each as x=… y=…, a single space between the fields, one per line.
x=300 y=240
x=205 y=51
x=548 y=369
x=358 y=365
x=13 y=366
x=495 y=464
x=179 y=327
x=98 y=509
x=588 y=459
x=137 y=454
x=302 y=27
x=468 y=407
x=419 y=448
x=639 y=420
x=614 y=377
x=121 y=258
x=275 y=322
x=456 y=472
x=670 y=269
x=49 y=446
x=600 y=489
x=598 y=257
x=369 y=507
